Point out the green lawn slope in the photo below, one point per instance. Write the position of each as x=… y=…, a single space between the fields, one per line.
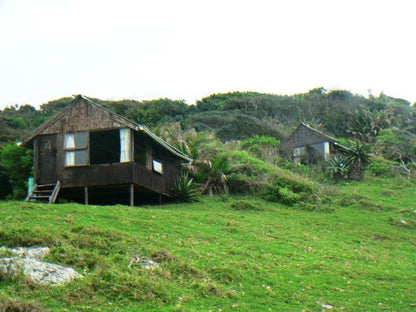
x=355 y=253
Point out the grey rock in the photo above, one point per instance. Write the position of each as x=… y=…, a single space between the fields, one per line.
x=37 y=253
x=145 y=263
x=26 y=262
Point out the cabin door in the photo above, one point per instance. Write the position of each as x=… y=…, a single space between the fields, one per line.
x=47 y=151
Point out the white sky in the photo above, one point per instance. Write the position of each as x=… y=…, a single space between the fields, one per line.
x=188 y=49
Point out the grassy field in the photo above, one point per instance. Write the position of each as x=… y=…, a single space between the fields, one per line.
x=355 y=252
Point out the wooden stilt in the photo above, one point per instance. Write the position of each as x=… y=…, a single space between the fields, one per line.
x=132 y=195
x=160 y=199
x=86 y=195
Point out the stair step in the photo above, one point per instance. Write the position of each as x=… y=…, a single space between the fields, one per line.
x=45 y=193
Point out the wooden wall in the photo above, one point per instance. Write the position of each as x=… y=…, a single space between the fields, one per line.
x=50 y=168
x=83 y=116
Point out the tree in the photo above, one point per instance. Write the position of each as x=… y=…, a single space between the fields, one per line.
x=365 y=125
x=397 y=144
x=16 y=162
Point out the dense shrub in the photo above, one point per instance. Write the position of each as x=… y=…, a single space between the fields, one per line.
x=282 y=195
x=254 y=175
x=239 y=183
x=381 y=167
x=16 y=163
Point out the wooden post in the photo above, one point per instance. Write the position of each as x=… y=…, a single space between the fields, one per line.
x=35 y=161
x=86 y=195
x=131 y=145
x=132 y=195
x=160 y=199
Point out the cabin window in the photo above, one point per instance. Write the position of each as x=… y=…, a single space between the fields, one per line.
x=76 y=149
x=125 y=145
x=157 y=159
x=298 y=152
x=157 y=166
x=104 y=147
x=326 y=150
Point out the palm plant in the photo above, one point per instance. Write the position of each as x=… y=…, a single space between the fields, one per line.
x=365 y=125
x=187 y=141
x=357 y=157
x=213 y=172
x=184 y=189
x=207 y=164
x=338 y=168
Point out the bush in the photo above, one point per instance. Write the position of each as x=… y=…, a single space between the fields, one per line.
x=250 y=165
x=261 y=174
x=381 y=167
x=239 y=183
x=16 y=163
x=282 y=195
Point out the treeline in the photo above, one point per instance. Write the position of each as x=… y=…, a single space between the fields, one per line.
x=241 y=115
x=236 y=115
x=388 y=124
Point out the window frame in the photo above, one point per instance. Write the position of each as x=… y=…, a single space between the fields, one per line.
x=156 y=156
x=160 y=163
x=77 y=148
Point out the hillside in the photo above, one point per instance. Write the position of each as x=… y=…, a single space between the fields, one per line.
x=353 y=251
x=237 y=121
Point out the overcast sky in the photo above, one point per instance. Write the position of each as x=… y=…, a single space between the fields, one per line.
x=188 y=49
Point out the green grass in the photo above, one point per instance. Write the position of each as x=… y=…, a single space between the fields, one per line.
x=217 y=258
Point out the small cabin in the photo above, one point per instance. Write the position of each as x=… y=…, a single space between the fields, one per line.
x=309 y=146
x=92 y=155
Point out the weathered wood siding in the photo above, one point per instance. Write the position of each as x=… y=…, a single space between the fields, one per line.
x=50 y=168
x=108 y=174
x=172 y=170
x=83 y=116
x=46 y=167
x=149 y=179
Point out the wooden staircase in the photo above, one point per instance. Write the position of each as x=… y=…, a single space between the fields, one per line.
x=44 y=193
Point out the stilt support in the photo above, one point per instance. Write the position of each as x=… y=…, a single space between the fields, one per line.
x=132 y=195
x=86 y=195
